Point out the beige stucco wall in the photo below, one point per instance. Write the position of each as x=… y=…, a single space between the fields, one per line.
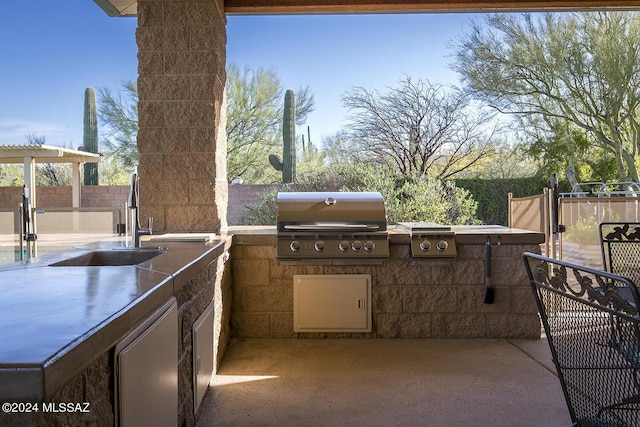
x=182 y=114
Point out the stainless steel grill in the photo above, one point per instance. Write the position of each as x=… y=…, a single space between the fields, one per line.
x=332 y=227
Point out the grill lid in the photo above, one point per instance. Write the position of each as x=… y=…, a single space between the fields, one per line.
x=331 y=212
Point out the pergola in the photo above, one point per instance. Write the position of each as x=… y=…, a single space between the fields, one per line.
x=31 y=154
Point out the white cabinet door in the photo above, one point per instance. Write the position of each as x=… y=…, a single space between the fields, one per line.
x=147 y=372
x=332 y=303
x=202 y=333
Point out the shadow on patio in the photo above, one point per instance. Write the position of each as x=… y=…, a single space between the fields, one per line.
x=332 y=382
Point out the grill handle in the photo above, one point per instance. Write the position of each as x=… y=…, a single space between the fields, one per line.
x=331 y=227
x=490 y=291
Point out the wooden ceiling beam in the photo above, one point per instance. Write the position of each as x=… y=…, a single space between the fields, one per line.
x=405 y=6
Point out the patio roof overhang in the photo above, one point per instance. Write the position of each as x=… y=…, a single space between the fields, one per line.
x=130 y=7
x=118 y=7
x=45 y=154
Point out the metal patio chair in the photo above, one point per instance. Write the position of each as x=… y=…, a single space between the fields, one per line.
x=593 y=332
x=620 y=245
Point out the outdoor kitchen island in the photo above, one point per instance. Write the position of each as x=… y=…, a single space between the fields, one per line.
x=411 y=297
x=64 y=315
x=62 y=322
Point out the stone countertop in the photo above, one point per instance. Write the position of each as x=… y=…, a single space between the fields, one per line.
x=477 y=235
x=398 y=235
x=57 y=320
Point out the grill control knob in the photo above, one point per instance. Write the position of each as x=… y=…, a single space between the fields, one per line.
x=330 y=201
x=425 y=245
x=344 y=246
x=442 y=246
x=369 y=246
x=319 y=246
x=295 y=246
x=357 y=245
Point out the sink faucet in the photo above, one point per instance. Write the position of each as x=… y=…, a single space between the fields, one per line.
x=134 y=202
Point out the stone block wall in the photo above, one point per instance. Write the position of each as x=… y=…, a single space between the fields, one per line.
x=93 y=386
x=99 y=196
x=211 y=284
x=182 y=114
x=105 y=196
x=411 y=298
x=92 y=196
x=242 y=196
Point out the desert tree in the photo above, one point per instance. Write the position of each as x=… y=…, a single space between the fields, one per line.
x=254 y=116
x=254 y=120
x=576 y=71
x=418 y=128
x=118 y=113
x=49 y=174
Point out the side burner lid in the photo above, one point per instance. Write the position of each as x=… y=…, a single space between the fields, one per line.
x=424 y=227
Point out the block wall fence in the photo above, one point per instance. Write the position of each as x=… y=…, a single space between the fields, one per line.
x=240 y=195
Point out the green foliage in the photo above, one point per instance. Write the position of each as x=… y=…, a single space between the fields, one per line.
x=264 y=212
x=570 y=150
x=598 y=167
x=11 y=175
x=419 y=198
x=584 y=232
x=492 y=195
x=412 y=198
x=255 y=123
x=90 y=137
x=463 y=201
x=111 y=173
x=562 y=73
x=119 y=115
x=505 y=163
x=312 y=158
x=252 y=123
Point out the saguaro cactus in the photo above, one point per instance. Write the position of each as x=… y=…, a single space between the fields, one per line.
x=288 y=163
x=90 y=139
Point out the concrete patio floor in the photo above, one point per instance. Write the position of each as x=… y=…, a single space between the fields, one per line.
x=376 y=382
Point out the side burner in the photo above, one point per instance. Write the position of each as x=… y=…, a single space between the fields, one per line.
x=429 y=240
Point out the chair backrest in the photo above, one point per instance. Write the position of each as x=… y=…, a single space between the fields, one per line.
x=620 y=244
x=592 y=325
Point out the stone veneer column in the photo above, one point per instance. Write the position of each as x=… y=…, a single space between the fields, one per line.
x=182 y=114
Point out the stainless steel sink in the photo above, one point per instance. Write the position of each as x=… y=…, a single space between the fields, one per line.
x=111 y=258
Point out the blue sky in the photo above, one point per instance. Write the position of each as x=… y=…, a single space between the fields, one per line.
x=50 y=52
x=53 y=51
x=333 y=53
